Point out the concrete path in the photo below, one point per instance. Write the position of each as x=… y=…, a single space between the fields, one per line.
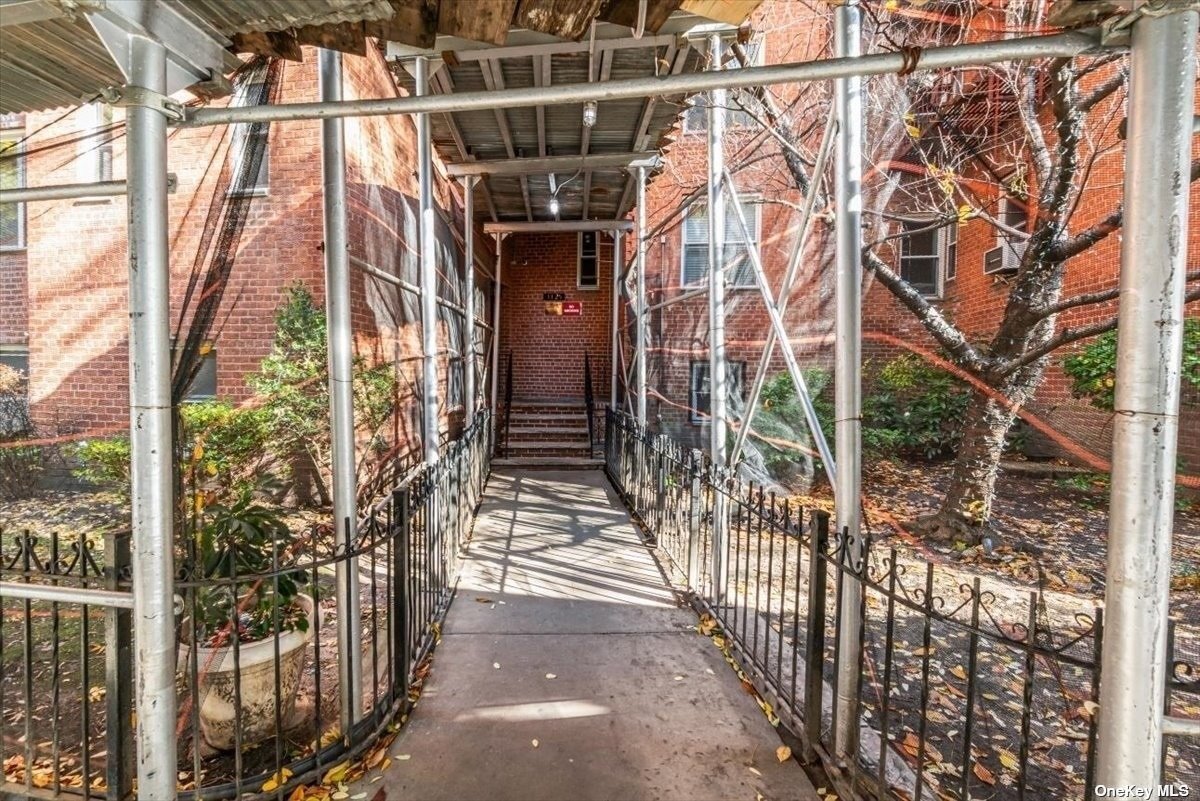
x=567 y=671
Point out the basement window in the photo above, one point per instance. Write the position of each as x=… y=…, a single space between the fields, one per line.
x=16 y=357
x=588 y=276
x=699 y=394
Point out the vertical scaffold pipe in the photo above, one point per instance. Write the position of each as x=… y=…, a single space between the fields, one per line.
x=848 y=371
x=616 y=322
x=716 y=313
x=341 y=389
x=1134 y=663
x=469 y=298
x=498 y=272
x=429 y=287
x=640 y=338
x=151 y=485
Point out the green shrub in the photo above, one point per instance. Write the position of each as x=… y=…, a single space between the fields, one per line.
x=1092 y=370
x=229 y=445
x=915 y=409
x=105 y=463
x=781 y=416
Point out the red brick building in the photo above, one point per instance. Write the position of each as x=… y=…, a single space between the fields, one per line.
x=63 y=266
x=965 y=270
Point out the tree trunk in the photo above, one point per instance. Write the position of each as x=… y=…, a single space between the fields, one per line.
x=966 y=511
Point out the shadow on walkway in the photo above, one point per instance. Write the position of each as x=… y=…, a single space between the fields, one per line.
x=568 y=671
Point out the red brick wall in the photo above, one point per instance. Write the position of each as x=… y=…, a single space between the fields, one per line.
x=548 y=350
x=76 y=299
x=972 y=300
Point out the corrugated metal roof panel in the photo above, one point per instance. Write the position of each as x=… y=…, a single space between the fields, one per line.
x=277 y=15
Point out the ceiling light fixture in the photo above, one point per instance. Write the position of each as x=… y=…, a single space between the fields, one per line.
x=554 y=205
x=589 y=114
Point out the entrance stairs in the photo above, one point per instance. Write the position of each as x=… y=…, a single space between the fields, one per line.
x=548 y=434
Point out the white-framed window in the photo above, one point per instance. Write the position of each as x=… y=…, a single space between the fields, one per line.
x=948 y=247
x=928 y=254
x=1006 y=256
x=695 y=243
x=587 y=275
x=699 y=392
x=95 y=158
x=12 y=176
x=249 y=139
x=695 y=117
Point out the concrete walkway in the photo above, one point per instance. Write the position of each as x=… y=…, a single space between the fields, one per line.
x=567 y=671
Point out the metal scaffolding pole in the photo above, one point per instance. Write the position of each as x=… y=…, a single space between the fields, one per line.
x=1134 y=663
x=785 y=290
x=62 y=192
x=716 y=311
x=496 y=331
x=469 y=298
x=848 y=371
x=1060 y=45
x=780 y=333
x=616 y=313
x=150 y=437
x=429 y=287
x=640 y=304
x=341 y=389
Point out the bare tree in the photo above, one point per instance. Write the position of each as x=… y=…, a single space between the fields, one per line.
x=1031 y=133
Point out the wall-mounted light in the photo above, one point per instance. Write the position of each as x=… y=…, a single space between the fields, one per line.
x=554 y=205
x=589 y=114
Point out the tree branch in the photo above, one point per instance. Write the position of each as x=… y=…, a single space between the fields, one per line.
x=1073 y=246
x=1066 y=337
x=954 y=341
x=1115 y=82
x=1089 y=298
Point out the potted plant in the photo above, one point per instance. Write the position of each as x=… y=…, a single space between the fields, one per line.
x=249 y=541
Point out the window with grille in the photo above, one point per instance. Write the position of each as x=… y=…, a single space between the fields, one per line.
x=249 y=143
x=12 y=176
x=695 y=118
x=699 y=393
x=695 y=244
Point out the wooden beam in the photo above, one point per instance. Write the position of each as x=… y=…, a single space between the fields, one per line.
x=561 y=48
x=731 y=12
x=553 y=164
x=345 y=37
x=273 y=44
x=676 y=57
x=566 y=19
x=557 y=226
x=625 y=13
x=477 y=20
x=413 y=22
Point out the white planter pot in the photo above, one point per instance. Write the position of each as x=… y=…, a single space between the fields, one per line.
x=255 y=677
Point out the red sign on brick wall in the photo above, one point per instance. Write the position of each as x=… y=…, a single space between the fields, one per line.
x=572 y=308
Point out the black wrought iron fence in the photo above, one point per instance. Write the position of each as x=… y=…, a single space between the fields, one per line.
x=259 y=664
x=965 y=688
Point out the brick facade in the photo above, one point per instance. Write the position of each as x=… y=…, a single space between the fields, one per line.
x=973 y=300
x=548 y=350
x=67 y=290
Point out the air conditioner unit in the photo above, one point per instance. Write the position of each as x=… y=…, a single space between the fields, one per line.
x=1004 y=258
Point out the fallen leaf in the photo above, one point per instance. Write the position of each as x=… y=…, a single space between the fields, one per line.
x=754 y=771
x=551 y=676
x=1007 y=759
x=535 y=743
x=985 y=775
x=959 y=672
x=783 y=753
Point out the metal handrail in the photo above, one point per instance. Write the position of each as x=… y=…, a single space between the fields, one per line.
x=508 y=392
x=590 y=401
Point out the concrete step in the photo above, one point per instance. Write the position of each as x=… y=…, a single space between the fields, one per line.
x=548 y=432
x=549 y=462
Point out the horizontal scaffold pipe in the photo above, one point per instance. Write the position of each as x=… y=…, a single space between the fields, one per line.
x=407 y=286
x=116 y=599
x=1060 y=45
x=62 y=192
